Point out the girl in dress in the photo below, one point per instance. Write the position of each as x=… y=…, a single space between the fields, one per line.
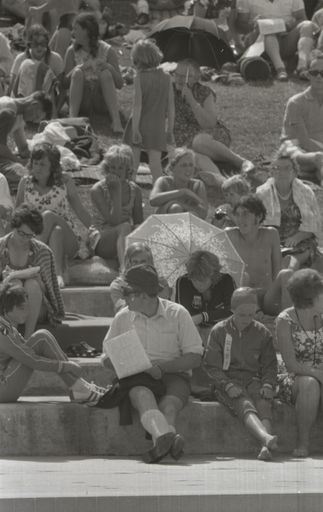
x=117 y=203
x=52 y=192
x=153 y=105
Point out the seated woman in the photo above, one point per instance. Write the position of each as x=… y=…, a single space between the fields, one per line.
x=93 y=69
x=205 y=291
x=25 y=258
x=300 y=340
x=19 y=356
x=179 y=191
x=117 y=203
x=37 y=67
x=292 y=208
x=52 y=192
x=197 y=125
x=137 y=253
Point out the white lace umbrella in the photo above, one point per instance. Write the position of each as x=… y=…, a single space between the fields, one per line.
x=174 y=237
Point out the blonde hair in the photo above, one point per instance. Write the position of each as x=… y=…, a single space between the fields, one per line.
x=145 y=54
x=119 y=154
x=237 y=184
x=136 y=248
x=176 y=156
x=203 y=264
x=287 y=150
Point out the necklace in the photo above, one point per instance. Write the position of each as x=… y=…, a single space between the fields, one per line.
x=315 y=361
x=284 y=198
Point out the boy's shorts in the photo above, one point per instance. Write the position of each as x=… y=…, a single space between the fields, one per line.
x=178 y=385
x=249 y=401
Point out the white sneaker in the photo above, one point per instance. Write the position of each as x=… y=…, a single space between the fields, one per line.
x=90 y=396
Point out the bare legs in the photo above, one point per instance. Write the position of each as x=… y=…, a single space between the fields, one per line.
x=113 y=241
x=307 y=403
x=154 y=159
x=277 y=297
x=108 y=90
x=61 y=239
x=35 y=301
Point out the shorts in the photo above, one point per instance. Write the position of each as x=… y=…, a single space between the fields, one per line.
x=178 y=385
x=248 y=402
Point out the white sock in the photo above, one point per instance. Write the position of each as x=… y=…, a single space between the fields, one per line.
x=155 y=423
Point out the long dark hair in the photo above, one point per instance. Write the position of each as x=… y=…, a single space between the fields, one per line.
x=88 y=22
x=36 y=31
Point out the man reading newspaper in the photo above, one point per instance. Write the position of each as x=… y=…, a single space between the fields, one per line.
x=173 y=346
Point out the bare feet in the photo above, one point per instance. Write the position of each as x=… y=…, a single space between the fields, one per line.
x=264 y=454
x=301 y=452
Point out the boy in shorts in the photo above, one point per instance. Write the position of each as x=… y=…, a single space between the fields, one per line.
x=241 y=362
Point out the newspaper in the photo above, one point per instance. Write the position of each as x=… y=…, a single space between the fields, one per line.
x=271 y=26
x=126 y=354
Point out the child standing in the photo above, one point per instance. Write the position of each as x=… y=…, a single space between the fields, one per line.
x=117 y=203
x=240 y=360
x=153 y=105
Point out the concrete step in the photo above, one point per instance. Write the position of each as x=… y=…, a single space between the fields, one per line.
x=53 y=426
x=196 y=483
x=88 y=300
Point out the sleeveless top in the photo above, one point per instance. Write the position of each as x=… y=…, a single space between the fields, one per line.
x=55 y=200
x=308 y=345
x=127 y=208
x=92 y=65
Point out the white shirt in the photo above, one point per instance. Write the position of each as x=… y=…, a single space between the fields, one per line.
x=283 y=9
x=167 y=335
x=5 y=197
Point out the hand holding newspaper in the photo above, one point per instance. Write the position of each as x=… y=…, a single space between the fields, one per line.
x=126 y=354
x=271 y=26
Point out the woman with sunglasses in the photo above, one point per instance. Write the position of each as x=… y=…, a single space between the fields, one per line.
x=31 y=262
x=303 y=123
x=300 y=341
x=37 y=67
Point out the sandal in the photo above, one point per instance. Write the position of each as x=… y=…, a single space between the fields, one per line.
x=282 y=75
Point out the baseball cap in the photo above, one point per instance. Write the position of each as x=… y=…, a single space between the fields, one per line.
x=141 y=278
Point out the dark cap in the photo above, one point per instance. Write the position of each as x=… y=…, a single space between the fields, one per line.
x=141 y=278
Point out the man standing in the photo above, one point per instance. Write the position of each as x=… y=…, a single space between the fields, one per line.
x=303 y=120
x=278 y=46
x=174 y=347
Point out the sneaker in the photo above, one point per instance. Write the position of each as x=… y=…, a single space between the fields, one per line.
x=89 y=398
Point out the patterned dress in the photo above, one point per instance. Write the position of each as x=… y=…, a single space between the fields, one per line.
x=308 y=347
x=186 y=126
x=55 y=200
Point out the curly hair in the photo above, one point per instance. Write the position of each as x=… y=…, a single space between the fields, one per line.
x=176 y=156
x=24 y=214
x=253 y=204
x=88 y=22
x=52 y=153
x=237 y=184
x=145 y=54
x=203 y=264
x=304 y=287
x=35 y=32
x=287 y=151
x=11 y=295
x=118 y=154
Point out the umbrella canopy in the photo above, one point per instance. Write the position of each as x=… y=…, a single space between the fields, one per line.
x=172 y=238
x=183 y=37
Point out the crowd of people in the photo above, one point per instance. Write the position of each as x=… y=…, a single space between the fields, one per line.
x=274 y=228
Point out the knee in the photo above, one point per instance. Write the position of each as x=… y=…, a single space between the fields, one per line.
x=106 y=76
x=285 y=274
x=175 y=208
x=48 y=216
x=77 y=75
x=200 y=140
x=141 y=396
x=307 y=29
x=307 y=385
x=32 y=287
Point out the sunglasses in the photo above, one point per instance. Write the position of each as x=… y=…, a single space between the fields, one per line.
x=315 y=73
x=23 y=234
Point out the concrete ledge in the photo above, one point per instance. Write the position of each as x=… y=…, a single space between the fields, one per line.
x=31 y=428
x=91 y=300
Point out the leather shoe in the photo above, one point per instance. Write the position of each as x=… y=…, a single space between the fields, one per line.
x=161 y=448
x=177 y=448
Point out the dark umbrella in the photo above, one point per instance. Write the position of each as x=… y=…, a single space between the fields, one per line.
x=183 y=37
